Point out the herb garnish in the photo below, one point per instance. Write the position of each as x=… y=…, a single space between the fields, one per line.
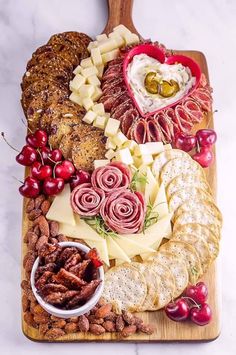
x=98 y=224
x=137 y=179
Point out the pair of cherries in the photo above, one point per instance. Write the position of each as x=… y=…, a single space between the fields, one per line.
x=202 y=142
x=192 y=306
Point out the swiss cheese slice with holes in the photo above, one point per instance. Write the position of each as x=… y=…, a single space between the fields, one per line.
x=125 y=288
x=177 y=267
x=187 y=253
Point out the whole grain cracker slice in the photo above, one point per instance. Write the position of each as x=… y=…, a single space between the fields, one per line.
x=125 y=288
x=177 y=267
x=187 y=253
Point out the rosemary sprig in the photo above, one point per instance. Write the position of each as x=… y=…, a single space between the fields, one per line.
x=138 y=179
x=98 y=224
x=151 y=216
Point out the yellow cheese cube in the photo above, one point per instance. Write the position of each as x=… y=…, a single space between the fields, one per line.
x=141 y=149
x=99 y=109
x=101 y=37
x=107 y=57
x=110 y=154
x=100 y=122
x=89 y=117
x=87 y=103
x=86 y=63
x=86 y=90
x=96 y=56
x=131 y=145
x=86 y=72
x=131 y=38
x=77 y=82
x=100 y=69
x=124 y=156
x=107 y=45
x=121 y=30
x=119 y=40
x=77 y=70
x=93 y=80
x=101 y=162
x=97 y=93
x=112 y=127
x=119 y=139
x=146 y=159
x=154 y=148
x=76 y=98
x=110 y=144
x=92 y=45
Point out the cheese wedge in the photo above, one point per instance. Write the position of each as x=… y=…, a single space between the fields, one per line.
x=151 y=187
x=115 y=251
x=60 y=209
x=101 y=247
x=131 y=247
x=160 y=204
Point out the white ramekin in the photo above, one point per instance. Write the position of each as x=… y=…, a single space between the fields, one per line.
x=62 y=313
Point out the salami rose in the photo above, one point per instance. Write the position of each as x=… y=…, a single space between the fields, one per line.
x=86 y=200
x=114 y=176
x=123 y=211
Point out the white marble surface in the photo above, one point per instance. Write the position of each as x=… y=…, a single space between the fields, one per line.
x=204 y=25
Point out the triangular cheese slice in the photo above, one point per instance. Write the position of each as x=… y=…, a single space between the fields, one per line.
x=151 y=187
x=101 y=247
x=80 y=231
x=160 y=204
x=115 y=251
x=131 y=247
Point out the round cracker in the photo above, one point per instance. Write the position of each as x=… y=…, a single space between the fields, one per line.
x=187 y=253
x=125 y=288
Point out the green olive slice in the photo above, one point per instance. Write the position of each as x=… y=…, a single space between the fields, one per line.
x=168 y=88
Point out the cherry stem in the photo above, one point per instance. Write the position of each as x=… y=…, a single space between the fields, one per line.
x=192 y=300
x=13 y=177
x=53 y=161
x=54 y=168
x=3 y=136
x=41 y=157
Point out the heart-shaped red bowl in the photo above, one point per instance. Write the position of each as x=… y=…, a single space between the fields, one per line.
x=155 y=52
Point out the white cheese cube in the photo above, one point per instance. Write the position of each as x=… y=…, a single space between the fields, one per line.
x=77 y=82
x=99 y=109
x=89 y=117
x=119 y=139
x=86 y=63
x=131 y=145
x=107 y=45
x=86 y=72
x=107 y=57
x=131 y=38
x=93 y=80
x=100 y=69
x=101 y=37
x=97 y=93
x=107 y=114
x=110 y=144
x=86 y=90
x=167 y=146
x=122 y=30
x=87 y=103
x=110 y=154
x=100 y=163
x=124 y=156
x=77 y=70
x=100 y=122
x=154 y=148
x=112 y=127
x=141 y=149
x=146 y=159
x=119 y=40
x=92 y=45
x=96 y=56
x=76 y=98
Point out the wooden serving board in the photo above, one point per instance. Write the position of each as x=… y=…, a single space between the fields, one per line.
x=120 y=11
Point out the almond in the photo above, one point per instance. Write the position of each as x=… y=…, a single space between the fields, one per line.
x=71 y=328
x=34 y=214
x=83 y=324
x=103 y=311
x=54 y=333
x=109 y=326
x=45 y=207
x=54 y=228
x=43 y=225
x=38 y=201
x=30 y=205
x=129 y=330
x=96 y=329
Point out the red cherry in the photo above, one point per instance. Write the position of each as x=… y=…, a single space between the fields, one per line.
x=65 y=170
x=53 y=186
x=38 y=139
x=80 y=177
x=27 y=156
x=178 y=310
x=185 y=142
x=206 y=137
x=198 y=292
x=40 y=171
x=30 y=187
x=204 y=157
x=201 y=315
x=55 y=155
x=51 y=156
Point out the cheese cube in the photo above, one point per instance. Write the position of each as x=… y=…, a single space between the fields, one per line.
x=141 y=149
x=99 y=109
x=124 y=156
x=100 y=69
x=131 y=145
x=110 y=144
x=96 y=56
x=86 y=90
x=76 y=98
x=86 y=72
x=122 y=30
x=86 y=63
x=101 y=37
x=146 y=159
x=112 y=127
x=107 y=57
x=107 y=45
x=93 y=80
x=87 y=103
x=131 y=38
x=100 y=163
x=97 y=93
x=107 y=114
x=89 y=117
x=110 y=154
x=77 y=82
x=154 y=148
x=119 y=139
x=119 y=40
x=92 y=45
x=77 y=70
x=167 y=146
x=100 y=122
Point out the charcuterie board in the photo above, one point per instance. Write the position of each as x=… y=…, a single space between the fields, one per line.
x=120 y=12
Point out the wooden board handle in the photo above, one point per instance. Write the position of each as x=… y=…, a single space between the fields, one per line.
x=120 y=12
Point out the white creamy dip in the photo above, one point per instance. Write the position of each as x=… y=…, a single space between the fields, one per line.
x=141 y=65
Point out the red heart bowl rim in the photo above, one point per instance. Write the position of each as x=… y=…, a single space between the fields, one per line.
x=157 y=53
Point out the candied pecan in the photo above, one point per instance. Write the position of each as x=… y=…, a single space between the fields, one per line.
x=43 y=328
x=32 y=240
x=120 y=324
x=54 y=318
x=30 y=205
x=29 y=319
x=28 y=261
x=45 y=207
x=49 y=288
x=37 y=309
x=83 y=324
x=80 y=269
x=85 y=293
x=71 y=328
x=54 y=333
x=128 y=317
x=43 y=280
x=38 y=201
x=41 y=241
x=94 y=320
x=43 y=225
x=109 y=326
x=25 y=303
x=129 y=330
x=46 y=249
x=36 y=230
x=72 y=261
x=41 y=318
x=103 y=311
x=62 y=238
x=59 y=324
x=58 y=298
x=25 y=285
x=146 y=328
x=66 y=254
x=96 y=329
x=41 y=269
x=111 y=316
x=35 y=213
x=54 y=228
x=52 y=258
x=68 y=279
